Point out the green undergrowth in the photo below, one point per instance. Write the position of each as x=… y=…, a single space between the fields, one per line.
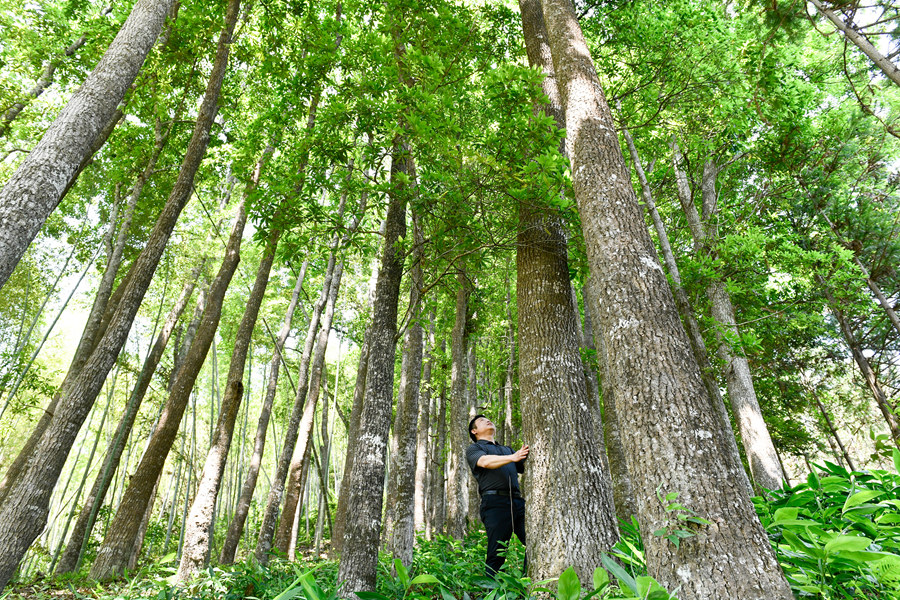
x=836 y=535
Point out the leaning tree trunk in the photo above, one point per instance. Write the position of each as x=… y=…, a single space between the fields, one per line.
x=575 y=523
x=669 y=432
x=34 y=190
x=236 y=528
x=765 y=469
x=299 y=467
x=399 y=528
x=457 y=470
x=21 y=520
x=359 y=556
x=276 y=491
x=112 y=558
x=198 y=535
x=683 y=304
x=71 y=558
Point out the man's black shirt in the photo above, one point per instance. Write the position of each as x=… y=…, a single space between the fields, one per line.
x=503 y=478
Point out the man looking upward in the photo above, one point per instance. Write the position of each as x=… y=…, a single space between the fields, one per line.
x=496 y=469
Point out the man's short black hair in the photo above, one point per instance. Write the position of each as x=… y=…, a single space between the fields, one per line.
x=472 y=426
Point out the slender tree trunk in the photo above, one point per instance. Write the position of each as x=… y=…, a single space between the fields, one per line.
x=457 y=470
x=833 y=430
x=669 y=432
x=862 y=362
x=884 y=63
x=236 y=528
x=34 y=190
x=112 y=558
x=300 y=462
x=438 y=480
x=399 y=529
x=71 y=559
x=22 y=520
x=509 y=430
x=361 y=537
x=758 y=447
x=276 y=491
x=683 y=304
x=198 y=536
x=423 y=419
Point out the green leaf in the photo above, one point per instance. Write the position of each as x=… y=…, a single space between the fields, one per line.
x=847 y=542
x=619 y=573
x=569 y=586
x=896 y=454
x=445 y=595
x=402 y=573
x=371 y=596
x=860 y=498
x=424 y=578
x=601 y=578
x=785 y=514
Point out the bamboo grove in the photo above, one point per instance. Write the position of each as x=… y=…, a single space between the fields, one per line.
x=261 y=262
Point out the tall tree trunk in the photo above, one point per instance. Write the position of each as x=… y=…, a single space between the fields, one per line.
x=276 y=491
x=198 y=536
x=832 y=429
x=359 y=555
x=112 y=558
x=399 y=528
x=881 y=399
x=438 y=480
x=423 y=419
x=758 y=447
x=300 y=461
x=884 y=63
x=683 y=304
x=669 y=431
x=34 y=190
x=457 y=470
x=509 y=430
x=71 y=558
x=22 y=520
x=236 y=528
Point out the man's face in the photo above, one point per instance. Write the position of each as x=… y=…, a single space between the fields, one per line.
x=483 y=427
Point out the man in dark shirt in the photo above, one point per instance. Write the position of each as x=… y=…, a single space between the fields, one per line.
x=496 y=469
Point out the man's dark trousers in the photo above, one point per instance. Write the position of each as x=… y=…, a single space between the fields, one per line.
x=502 y=516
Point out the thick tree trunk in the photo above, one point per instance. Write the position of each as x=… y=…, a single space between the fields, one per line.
x=236 y=528
x=758 y=447
x=198 y=536
x=572 y=524
x=683 y=304
x=420 y=496
x=669 y=432
x=112 y=558
x=399 y=527
x=23 y=519
x=361 y=537
x=457 y=470
x=35 y=189
x=71 y=559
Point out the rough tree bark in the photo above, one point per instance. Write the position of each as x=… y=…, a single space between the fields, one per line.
x=669 y=432
x=112 y=557
x=23 y=519
x=359 y=555
x=399 y=528
x=457 y=500
x=71 y=558
x=236 y=527
x=198 y=535
x=35 y=189
x=765 y=469
x=575 y=523
x=683 y=304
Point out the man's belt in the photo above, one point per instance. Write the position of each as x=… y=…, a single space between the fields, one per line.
x=514 y=494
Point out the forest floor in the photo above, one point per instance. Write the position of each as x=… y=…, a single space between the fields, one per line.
x=836 y=535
